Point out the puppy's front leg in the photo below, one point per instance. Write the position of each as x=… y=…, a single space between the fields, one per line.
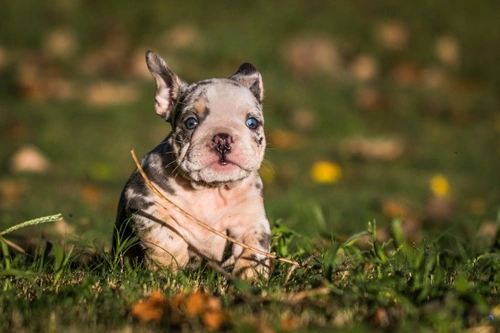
x=249 y=264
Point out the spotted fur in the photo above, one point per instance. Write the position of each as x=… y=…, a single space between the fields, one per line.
x=208 y=167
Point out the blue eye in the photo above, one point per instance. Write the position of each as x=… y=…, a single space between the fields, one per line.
x=252 y=123
x=191 y=123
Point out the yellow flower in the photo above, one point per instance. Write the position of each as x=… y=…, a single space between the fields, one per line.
x=440 y=186
x=326 y=172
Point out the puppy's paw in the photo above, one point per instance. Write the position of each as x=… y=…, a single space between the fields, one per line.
x=252 y=269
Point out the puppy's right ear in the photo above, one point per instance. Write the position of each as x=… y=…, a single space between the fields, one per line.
x=168 y=85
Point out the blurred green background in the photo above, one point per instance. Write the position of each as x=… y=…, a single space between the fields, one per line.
x=374 y=109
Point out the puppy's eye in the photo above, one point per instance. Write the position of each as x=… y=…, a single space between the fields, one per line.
x=252 y=123
x=191 y=123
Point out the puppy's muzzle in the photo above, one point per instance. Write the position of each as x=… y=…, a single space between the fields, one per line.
x=222 y=144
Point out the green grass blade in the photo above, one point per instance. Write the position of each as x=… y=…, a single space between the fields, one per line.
x=40 y=220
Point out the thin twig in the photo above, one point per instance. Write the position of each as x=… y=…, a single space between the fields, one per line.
x=303 y=264
x=13 y=245
x=203 y=224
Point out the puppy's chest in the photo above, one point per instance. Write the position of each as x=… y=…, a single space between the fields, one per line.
x=218 y=207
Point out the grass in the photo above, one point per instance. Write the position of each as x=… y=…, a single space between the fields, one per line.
x=432 y=264
x=387 y=286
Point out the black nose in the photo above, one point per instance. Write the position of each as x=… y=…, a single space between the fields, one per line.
x=222 y=143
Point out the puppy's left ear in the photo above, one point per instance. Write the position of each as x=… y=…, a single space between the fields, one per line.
x=249 y=77
x=168 y=85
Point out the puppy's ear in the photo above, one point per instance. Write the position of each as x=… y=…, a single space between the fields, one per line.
x=249 y=77
x=168 y=85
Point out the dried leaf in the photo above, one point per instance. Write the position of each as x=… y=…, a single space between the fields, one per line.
x=151 y=308
x=392 y=35
x=4 y=58
x=434 y=77
x=481 y=329
x=439 y=209
x=90 y=194
x=62 y=228
x=447 y=50
x=381 y=318
x=488 y=232
x=10 y=192
x=138 y=66
x=16 y=131
x=364 y=67
x=60 y=43
x=303 y=119
x=412 y=229
x=39 y=79
x=195 y=303
x=370 y=99
x=290 y=323
x=106 y=93
x=29 y=159
x=182 y=36
x=372 y=149
x=311 y=55
x=477 y=206
x=284 y=139
x=394 y=209
x=405 y=73
x=214 y=320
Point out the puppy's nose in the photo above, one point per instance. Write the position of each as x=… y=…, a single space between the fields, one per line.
x=222 y=143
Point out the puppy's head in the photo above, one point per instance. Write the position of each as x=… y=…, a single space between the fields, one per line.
x=217 y=124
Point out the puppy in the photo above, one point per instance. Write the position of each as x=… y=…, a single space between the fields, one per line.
x=207 y=166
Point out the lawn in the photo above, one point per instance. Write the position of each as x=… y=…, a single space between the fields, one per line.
x=381 y=173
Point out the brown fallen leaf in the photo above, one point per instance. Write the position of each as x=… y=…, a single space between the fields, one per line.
x=182 y=308
x=394 y=209
x=39 y=78
x=16 y=131
x=60 y=43
x=289 y=322
x=214 y=320
x=62 y=228
x=412 y=229
x=303 y=119
x=434 y=77
x=487 y=232
x=138 y=67
x=4 y=58
x=195 y=303
x=308 y=56
x=364 y=67
x=284 y=139
x=29 y=159
x=106 y=93
x=405 y=73
x=181 y=36
x=381 y=318
x=374 y=149
x=90 y=193
x=11 y=191
x=439 y=209
x=447 y=50
x=151 y=308
x=372 y=100
x=481 y=329
x=392 y=35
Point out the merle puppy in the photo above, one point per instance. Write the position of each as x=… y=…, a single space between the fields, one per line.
x=208 y=167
